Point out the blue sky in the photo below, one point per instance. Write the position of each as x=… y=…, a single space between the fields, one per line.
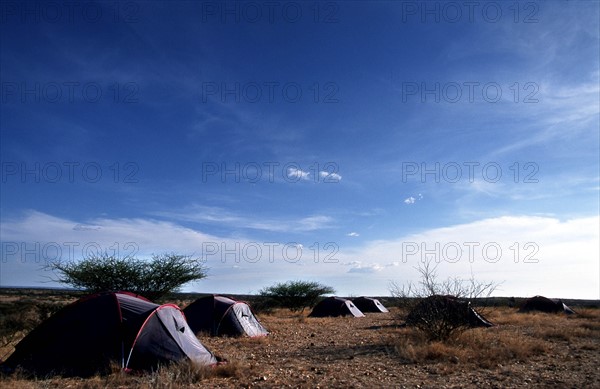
x=340 y=142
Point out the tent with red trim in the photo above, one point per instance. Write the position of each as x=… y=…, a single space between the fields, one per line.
x=220 y=315
x=335 y=306
x=89 y=335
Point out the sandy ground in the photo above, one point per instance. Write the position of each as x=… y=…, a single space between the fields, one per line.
x=524 y=350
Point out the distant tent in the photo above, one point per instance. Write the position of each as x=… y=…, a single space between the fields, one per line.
x=335 y=306
x=84 y=337
x=543 y=304
x=449 y=308
x=368 y=304
x=219 y=315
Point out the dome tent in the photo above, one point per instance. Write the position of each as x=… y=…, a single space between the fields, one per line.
x=335 y=306
x=448 y=308
x=544 y=304
x=368 y=304
x=85 y=337
x=220 y=315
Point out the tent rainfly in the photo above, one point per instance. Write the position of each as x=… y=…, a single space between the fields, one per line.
x=219 y=315
x=368 y=304
x=449 y=308
x=83 y=338
x=335 y=306
x=544 y=304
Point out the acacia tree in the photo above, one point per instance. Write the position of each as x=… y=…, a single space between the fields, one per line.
x=430 y=309
x=153 y=278
x=296 y=295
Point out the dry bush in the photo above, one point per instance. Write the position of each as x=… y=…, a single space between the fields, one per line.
x=434 y=315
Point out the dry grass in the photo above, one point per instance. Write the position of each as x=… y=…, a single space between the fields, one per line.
x=542 y=350
x=178 y=375
x=552 y=326
x=482 y=347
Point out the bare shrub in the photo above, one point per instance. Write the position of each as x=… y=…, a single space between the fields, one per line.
x=439 y=318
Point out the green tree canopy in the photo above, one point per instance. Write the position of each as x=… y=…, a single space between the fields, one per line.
x=296 y=295
x=153 y=278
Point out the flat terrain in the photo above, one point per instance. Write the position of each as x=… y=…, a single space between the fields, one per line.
x=523 y=350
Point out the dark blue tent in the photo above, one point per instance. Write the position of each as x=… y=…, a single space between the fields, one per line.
x=85 y=337
x=369 y=304
x=544 y=304
x=220 y=315
x=335 y=306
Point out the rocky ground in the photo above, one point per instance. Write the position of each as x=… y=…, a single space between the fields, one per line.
x=365 y=352
x=523 y=350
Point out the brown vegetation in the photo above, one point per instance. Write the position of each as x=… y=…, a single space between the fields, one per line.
x=537 y=349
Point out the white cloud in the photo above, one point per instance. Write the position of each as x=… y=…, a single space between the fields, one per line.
x=330 y=177
x=353 y=234
x=124 y=235
x=297 y=174
x=85 y=227
x=411 y=200
x=567 y=254
x=223 y=217
x=32 y=239
x=369 y=268
x=313 y=223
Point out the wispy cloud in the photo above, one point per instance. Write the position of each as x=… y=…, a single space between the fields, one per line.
x=145 y=235
x=366 y=268
x=28 y=241
x=567 y=111
x=222 y=217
